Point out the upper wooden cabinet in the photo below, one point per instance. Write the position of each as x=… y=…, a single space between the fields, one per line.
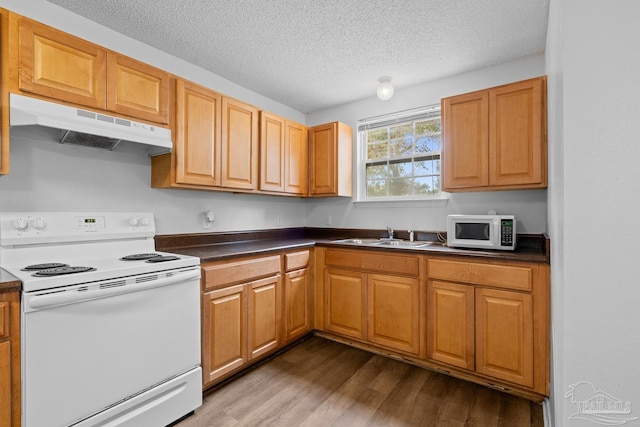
x=283 y=155
x=197 y=135
x=496 y=139
x=331 y=160
x=136 y=89
x=58 y=65
x=239 y=149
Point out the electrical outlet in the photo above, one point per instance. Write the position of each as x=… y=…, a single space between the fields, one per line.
x=327 y=220
x=279 y=220
x=207 y=219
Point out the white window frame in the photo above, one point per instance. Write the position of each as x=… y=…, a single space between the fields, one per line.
x=438 y=199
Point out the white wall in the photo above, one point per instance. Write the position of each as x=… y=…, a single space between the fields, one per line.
x=529 y=206
x=594 y=63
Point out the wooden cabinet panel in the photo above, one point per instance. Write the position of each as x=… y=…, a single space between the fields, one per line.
x=496 y=139
x=296 y=158
x=222 y=273
x=224 y=328
x=239 y=145
x=516 y=133
x=504 y=276
x=296 y=260
x=10 y=395
x=272 y=168
x=504 y=328
x=197 y=135
x=466 y=143
x=137 y=90
x=264 y=315
x=375 y=262
x=330 y=160
x=298 y=308
x=451 y=324
x=393 y=312
x=60 y=66
x=345 y=302
x=5 y=383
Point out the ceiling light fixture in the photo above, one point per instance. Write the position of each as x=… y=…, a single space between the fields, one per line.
x=385 y=88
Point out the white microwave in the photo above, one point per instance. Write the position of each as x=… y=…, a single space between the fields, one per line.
x=482 y=231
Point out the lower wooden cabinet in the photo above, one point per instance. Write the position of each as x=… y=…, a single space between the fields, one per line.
x=224 y=316
x=251 y=307
x=451 y=324
x=490 y=318
x=393 y=305
x=10 y=359
x=362 y=302
x=345 y=303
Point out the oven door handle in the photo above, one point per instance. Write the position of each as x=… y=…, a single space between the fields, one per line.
x=83 y=293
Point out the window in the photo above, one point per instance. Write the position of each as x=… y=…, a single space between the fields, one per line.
x=400 y=155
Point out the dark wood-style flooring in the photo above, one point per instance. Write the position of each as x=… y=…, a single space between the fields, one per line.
x=323 y=383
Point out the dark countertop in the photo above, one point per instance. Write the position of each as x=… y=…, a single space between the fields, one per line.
x=9 y=283
x=218 y=246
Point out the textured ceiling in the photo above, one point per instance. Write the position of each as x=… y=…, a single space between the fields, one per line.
x=314 y=54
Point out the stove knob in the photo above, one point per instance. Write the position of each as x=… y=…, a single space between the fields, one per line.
x=133 y=221
x=20 y=224
x=144 y=221
x=39 y=223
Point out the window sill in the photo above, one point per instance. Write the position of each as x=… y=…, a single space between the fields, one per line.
x=434 y=202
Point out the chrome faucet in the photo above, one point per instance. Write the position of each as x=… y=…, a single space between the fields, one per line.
x=390 y=232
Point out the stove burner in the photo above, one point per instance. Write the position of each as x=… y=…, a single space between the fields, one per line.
x=138 y=257
x=45 y=266
x=61 y=270
x=163 y=258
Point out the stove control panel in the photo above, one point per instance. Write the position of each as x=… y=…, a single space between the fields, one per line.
x=25 y=228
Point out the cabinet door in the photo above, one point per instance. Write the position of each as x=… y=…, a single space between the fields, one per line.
x=5 y=383
x=57 y=65
x=323 y=175
x=224 y=327
x=465 y=132
x=504 y=335
x=297 y=303
x=239 y=145
x=450 y=328
x=345 y=302
x=296 y=158
x=197 y=135
x=517 y=137
x=136 y=89
x=272 y=167
x=393 y=312
x=264 y=315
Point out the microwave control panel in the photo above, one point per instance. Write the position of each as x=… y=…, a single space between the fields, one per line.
x=506 y=232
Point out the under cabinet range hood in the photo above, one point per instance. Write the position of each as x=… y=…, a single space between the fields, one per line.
x=87 y=128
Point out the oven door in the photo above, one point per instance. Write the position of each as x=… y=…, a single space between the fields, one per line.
x=89 y=349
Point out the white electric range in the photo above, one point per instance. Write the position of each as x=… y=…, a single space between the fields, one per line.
x=110 y=327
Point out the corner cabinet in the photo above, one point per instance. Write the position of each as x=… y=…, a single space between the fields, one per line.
x=57 y=65
x=331 y=160
x=496 y=139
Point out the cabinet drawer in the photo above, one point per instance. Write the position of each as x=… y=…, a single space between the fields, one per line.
x=373 y=261
x=296 y=260
x=501 y=276
x=4 y=319
x=222 y=273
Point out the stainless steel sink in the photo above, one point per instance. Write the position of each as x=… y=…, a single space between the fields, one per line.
x=391 y=243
